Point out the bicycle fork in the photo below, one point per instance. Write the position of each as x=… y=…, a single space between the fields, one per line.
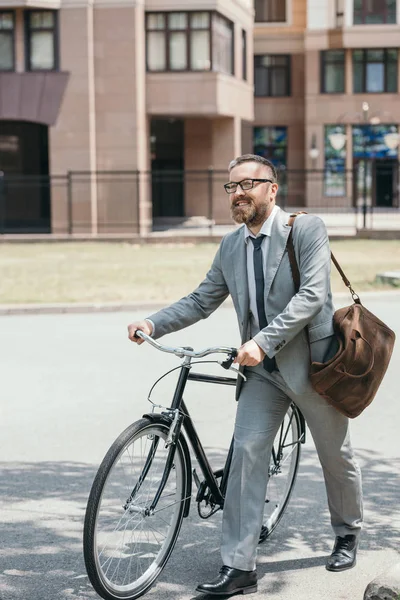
x=170 y=442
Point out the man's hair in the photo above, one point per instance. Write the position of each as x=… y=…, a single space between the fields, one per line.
x=253 y=158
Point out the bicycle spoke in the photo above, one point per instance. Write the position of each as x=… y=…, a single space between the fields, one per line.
x=131 y=545
x=282 y=471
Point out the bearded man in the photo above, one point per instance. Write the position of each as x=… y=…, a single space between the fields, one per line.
x=252 y=265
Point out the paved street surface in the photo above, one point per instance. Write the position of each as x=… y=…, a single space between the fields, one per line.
x=71 y=383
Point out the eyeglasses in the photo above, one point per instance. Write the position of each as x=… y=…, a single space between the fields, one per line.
x=245 y=184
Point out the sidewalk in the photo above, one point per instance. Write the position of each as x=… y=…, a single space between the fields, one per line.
x=340 y=298
x=380 y=225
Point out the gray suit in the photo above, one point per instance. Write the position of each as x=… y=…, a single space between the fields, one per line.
x=265 y=397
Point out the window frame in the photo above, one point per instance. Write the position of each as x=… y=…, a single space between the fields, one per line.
x=275 y=23
x=339 y=13
x=166 y=31
x=13 y=37
x=244 y=55
x=28 y=37
x=363 y=13
x=323 y=64
x=365 y=63
x=288 y=69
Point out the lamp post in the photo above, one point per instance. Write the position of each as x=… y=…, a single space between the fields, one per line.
x=314 y=152
x=365 y=112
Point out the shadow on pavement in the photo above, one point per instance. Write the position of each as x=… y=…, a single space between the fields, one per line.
x=43 y=505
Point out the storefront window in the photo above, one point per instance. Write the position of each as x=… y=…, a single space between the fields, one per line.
x=271 y=143
x=335 y=162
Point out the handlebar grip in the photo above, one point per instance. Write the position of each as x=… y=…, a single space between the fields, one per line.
x=226 y=364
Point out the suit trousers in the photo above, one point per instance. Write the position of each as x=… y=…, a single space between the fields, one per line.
x=263 y=402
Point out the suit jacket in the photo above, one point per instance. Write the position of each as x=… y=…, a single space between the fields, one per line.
x=287 y=313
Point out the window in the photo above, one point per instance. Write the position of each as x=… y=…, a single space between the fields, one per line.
x=332 y=72
x=272 y=75
x=335 y=162
x=7 y=58
x=375 y=71
x=41 y=40
x=244 y=55
x=374 y=12
x=369 y=141
x=222 y=45
x=271 y=143
x=10 y=153
x=270 y=11
x=189 y=41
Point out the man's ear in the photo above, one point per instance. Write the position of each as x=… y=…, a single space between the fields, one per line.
x=274 y=188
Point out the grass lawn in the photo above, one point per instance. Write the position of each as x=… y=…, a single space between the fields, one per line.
x=120 y=272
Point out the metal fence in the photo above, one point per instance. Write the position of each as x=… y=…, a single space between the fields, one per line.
x=135 y=202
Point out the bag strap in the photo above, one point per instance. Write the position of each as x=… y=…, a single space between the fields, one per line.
x=295 y=269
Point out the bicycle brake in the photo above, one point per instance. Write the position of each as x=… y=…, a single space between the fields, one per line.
x=172 y=430
x=226 y=364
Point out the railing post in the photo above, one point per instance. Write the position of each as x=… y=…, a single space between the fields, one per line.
x=69 y=202
x=210 y=197
x=354 y=195
x=138 y=201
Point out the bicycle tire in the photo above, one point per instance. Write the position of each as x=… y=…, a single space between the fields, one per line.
x=125 y=561
x=283 y=468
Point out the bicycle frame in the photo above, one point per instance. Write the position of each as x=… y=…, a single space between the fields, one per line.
x=178 y=407
x=218 y=491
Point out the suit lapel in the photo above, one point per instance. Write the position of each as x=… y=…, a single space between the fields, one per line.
x=239 y=267
x=279 y=235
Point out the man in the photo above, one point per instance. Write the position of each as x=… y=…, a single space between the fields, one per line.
x=252 y=265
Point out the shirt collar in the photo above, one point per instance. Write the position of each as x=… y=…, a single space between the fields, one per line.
x=266 y=227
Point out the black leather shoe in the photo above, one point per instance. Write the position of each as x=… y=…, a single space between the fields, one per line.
x=343 y=554
x=230 y=581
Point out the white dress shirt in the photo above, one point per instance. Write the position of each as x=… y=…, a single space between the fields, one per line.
x=266 y=231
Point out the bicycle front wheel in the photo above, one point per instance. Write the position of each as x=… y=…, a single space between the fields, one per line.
x=125 y=545
x=282 y=471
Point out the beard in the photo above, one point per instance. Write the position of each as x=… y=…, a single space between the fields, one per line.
x=250 y=214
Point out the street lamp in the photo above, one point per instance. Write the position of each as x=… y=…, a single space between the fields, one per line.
x=314 y=152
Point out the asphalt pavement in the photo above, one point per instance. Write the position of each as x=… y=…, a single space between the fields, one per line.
x=71 y=383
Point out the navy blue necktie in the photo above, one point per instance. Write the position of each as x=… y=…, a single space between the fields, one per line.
x=269 y=363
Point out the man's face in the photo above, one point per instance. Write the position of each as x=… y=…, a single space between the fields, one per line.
x=255 y=205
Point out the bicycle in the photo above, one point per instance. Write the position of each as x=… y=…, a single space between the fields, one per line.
x=133 y=519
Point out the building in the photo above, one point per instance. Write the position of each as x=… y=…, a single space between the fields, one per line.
x=104 y=104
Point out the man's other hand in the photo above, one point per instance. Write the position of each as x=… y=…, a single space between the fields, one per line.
x=144 y=326
x=250 y=354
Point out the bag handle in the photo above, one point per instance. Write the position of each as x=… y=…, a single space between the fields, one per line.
x=295 y=268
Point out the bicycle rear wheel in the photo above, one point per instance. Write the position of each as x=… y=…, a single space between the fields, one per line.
x=282 y=471
x=125 y=546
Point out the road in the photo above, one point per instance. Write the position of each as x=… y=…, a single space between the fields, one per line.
x=71 y=383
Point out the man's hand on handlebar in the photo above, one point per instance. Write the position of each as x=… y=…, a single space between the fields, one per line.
x=144 y=326
x=249 y=355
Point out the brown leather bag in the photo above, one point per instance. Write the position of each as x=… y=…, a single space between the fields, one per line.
x=350 y=380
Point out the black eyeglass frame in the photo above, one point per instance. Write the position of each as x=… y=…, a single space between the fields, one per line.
x=226 y=185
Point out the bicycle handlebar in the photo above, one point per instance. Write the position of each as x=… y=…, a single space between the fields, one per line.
x=181 y=352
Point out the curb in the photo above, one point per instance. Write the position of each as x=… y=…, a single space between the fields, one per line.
x=110 y=307
x=76 y=308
